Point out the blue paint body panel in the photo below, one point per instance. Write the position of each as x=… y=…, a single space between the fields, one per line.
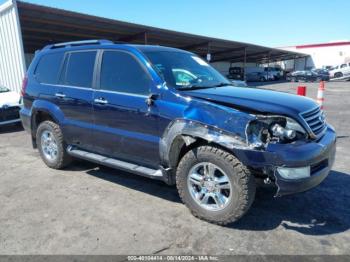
x=129 y=129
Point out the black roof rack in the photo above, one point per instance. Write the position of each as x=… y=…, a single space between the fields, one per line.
x=79 y=43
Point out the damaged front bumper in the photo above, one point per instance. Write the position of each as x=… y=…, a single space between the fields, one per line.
x=317 y=155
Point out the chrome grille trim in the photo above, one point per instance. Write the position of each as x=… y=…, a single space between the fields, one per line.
x=314 y=119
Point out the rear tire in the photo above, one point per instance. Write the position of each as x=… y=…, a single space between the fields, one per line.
x=51 y=145
x=239 y=181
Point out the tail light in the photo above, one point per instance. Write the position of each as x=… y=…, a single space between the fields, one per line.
x=24 y=86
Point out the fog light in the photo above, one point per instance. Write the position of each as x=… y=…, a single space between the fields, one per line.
x=294 y=173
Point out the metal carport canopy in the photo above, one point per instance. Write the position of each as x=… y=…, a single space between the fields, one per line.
x=41 y=25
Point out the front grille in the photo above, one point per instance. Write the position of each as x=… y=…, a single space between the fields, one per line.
x=9 y=113
x=315 y=120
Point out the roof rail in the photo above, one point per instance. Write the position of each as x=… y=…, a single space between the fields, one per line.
x=78 y=43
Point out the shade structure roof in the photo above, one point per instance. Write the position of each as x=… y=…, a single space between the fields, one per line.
x=42 y=25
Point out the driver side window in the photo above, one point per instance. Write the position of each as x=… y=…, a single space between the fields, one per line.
x=121 y=72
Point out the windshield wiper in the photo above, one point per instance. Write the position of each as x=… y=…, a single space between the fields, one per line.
x=192 y=87
x=223 y=84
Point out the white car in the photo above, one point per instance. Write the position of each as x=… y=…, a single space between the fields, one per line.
x=9 y=106
x=340 y=71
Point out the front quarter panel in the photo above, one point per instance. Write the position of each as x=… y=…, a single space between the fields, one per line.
x=224 y=118
x=185 y=118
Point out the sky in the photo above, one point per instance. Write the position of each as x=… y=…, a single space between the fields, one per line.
x=270 y=23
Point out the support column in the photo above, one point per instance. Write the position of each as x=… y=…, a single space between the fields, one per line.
x=244 y=64
x=145 y=38
x=268 y=66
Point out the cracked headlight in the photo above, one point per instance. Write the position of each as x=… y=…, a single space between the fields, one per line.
x=269 y=129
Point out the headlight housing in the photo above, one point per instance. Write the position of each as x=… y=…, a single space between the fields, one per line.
x=273 y=129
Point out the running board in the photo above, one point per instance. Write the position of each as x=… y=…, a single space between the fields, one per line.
x=159 y=174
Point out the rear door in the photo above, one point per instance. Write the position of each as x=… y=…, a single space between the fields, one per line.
x=75 y=95
x=125 y=126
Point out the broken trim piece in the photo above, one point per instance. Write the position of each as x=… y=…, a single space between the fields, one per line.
x=182 y=131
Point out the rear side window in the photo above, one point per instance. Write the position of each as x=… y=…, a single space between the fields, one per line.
x=121 y=72
x=80 y=69
x=48 y=68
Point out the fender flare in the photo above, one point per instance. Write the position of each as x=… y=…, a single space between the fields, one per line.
x=47 y=107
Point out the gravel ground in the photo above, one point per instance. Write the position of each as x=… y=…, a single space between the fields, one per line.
x=88 y=209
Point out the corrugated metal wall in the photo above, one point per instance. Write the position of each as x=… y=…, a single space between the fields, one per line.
x=12 y=62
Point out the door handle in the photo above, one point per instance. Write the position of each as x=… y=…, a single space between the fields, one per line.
x=60 y=95
x=101 y=101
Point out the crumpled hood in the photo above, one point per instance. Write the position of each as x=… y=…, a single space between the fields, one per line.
x=255 y=100
x=9 y=98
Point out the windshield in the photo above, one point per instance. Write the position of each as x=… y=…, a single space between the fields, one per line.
x=185 y=71
x=3 y=89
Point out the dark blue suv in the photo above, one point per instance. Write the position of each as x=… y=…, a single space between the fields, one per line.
x=166 y=114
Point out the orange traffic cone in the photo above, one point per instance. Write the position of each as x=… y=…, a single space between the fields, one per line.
x=301 y=91
x=320 y=93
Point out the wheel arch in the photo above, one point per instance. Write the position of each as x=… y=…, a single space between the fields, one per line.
x=183 y=135
x=42 y=111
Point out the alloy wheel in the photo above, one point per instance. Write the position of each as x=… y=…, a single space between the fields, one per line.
x=209 y=186
x=49 y=145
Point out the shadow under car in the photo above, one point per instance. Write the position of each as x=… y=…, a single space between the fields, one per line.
x=321 y=211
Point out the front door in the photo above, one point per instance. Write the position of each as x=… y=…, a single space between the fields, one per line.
x=126 y=127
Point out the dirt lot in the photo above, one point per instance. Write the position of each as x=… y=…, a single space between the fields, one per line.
x=87 y=209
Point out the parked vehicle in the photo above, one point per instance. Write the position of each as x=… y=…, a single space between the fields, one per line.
x=340 y=71
x=258 y=77
x=239 y=83
x=321 y=71
x=307 y=76
x=327 y=68
x=270 y=76
x=275 y=72
x=253 y=69
x=236 y=73
x=123 y=106
x=9 y=106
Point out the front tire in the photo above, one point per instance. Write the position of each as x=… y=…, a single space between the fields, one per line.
x=214 y=185
x=51 y=146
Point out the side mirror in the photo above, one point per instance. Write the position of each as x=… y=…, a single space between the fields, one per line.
x=150 y=99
